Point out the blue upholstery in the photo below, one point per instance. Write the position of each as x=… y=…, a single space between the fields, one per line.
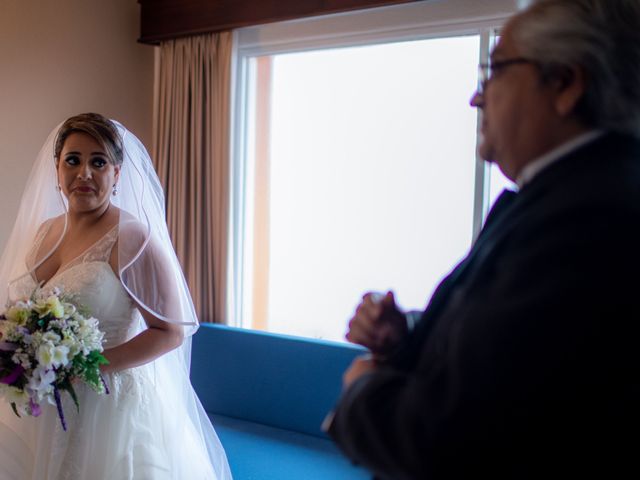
x=267 y=396
x=258 y=452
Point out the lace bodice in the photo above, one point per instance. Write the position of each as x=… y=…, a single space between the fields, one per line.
x=94 y=285
x=91 y=281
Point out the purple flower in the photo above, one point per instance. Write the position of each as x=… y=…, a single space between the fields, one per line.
x=13 y=376
x=8 y=346
x=35 y=408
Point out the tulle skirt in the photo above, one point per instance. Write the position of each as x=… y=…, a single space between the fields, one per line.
x=138 y=431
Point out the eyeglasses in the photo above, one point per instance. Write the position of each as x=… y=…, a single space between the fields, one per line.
x=486 y=71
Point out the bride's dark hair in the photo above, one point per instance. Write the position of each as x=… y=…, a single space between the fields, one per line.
x=98 y=127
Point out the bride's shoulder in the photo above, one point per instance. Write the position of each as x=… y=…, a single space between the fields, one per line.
x=130 y=223
x=53 y=225
x=53 y=221
x=135 y=234
x=131 y=228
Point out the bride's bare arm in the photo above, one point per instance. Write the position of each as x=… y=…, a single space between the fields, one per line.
x=160 y=336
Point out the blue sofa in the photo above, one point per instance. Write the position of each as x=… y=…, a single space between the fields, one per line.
x=267 y=396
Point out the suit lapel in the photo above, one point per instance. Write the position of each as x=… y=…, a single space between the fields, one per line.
x=498 y=218
x=493 y=223
x=504 y=216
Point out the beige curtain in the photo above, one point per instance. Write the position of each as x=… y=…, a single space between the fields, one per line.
x=191 y=150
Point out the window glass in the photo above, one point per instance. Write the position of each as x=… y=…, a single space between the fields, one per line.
x=362 y=164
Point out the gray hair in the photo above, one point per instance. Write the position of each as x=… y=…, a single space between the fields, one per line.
x=600 y=36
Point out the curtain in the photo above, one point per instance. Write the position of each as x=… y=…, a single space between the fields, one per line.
x=191 y=150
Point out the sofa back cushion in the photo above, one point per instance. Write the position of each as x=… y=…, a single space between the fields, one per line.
x=277 y=380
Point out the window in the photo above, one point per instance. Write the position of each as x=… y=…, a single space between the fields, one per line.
x=355 y=170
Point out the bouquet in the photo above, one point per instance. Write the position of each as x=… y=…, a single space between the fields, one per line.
x=47 y=343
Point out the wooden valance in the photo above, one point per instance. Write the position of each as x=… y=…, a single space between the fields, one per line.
x=167 y=19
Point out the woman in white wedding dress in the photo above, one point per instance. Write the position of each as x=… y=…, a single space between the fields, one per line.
x=91 y=223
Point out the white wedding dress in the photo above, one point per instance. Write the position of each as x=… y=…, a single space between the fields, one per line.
x=139 y=431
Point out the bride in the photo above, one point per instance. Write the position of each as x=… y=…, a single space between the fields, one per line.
x=91 y=223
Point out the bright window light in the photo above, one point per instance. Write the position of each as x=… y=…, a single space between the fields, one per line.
x=363 y=179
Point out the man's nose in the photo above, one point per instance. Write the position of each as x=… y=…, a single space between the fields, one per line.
x=476 y=100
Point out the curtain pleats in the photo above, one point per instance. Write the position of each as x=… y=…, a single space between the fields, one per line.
x=192 y=158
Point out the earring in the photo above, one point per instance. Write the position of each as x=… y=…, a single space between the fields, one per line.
x=115 y=190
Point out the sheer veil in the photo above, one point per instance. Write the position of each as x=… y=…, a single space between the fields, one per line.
x=147 y=265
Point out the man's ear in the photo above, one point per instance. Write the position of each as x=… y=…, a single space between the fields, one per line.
x=570 y=88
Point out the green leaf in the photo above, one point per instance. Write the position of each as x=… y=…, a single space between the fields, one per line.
x=72 y=392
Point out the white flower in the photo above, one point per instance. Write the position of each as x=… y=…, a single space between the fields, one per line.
x=69 y=309
x=11 y=332
x=60 y=356
x=51 y=306
x=17 y=396
x=19 y=313
x=52 y=356
x=45 y=355
x=21 y=358
x=59 y=324
x=51 y=337
x=72 y=344
x=5 y=329
x=41 y=381
x=36 y=339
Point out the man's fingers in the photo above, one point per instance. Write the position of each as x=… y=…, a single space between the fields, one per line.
x=372 y=324
x=370 y=309
x=361 y=334
x=389 y=300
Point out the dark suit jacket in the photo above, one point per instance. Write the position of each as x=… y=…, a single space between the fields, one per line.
x=526 y=362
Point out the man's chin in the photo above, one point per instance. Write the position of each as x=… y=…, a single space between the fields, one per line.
x=486 y=153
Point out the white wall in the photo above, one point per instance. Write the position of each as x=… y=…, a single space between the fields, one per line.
x=59 y=58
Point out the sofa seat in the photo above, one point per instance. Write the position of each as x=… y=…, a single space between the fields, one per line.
x=261 y=452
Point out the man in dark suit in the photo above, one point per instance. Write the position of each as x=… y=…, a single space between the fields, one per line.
x=526 y=361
